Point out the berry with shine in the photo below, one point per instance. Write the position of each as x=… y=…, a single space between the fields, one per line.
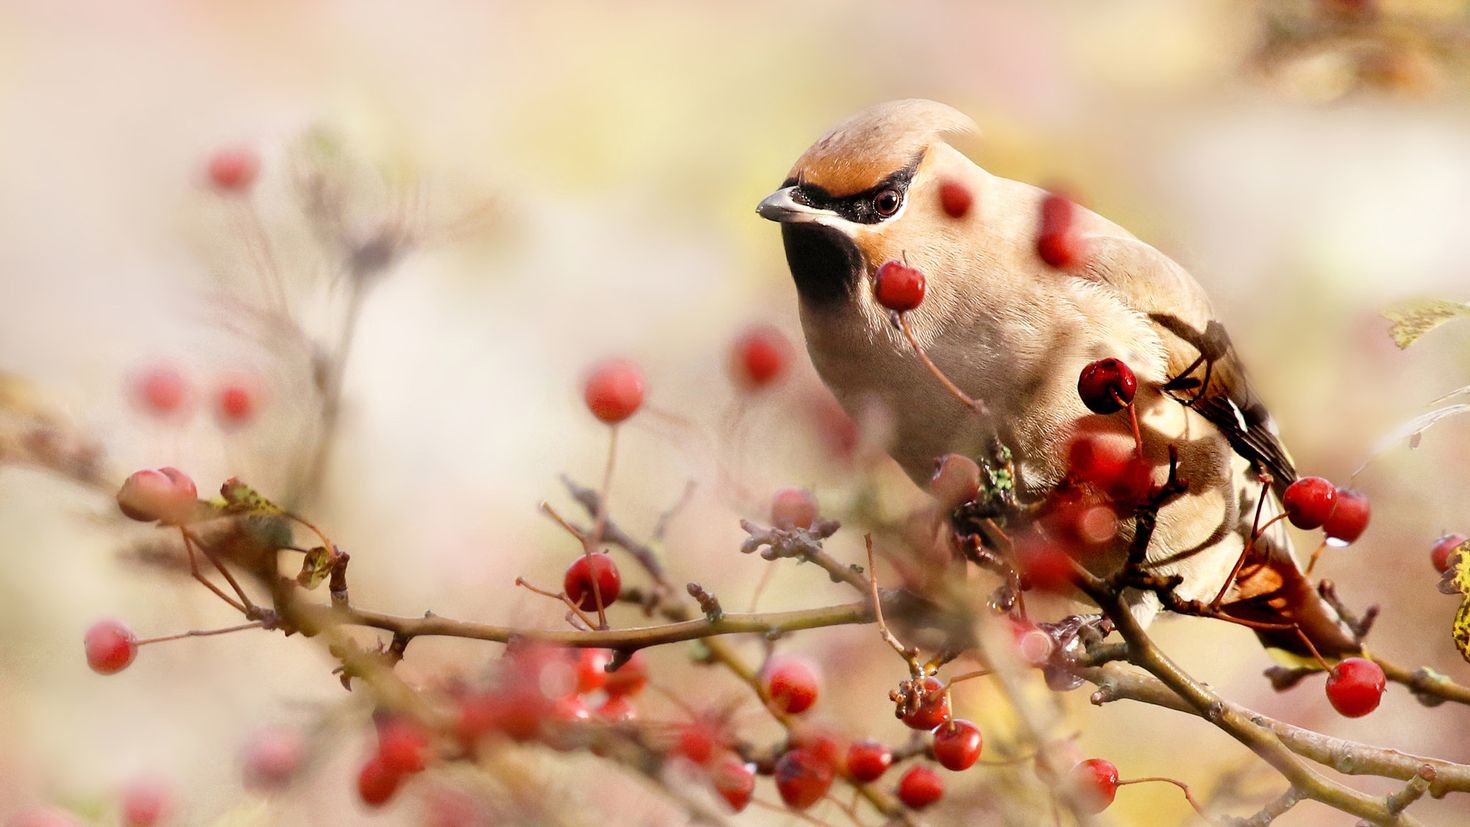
x=614 y=390
x=868 y=760
x=1349 y=518
x=630 y=678
x=760 y=356
x=802 y=778
x=734 y=781
x=110 y=646
x=793 y=508
x=1309 y=502
x=1355 y=687
x=578 y=581
x=1093 y=784
x=1107 y=386
x=898 y=287
x=957 y=745
x=791 y=683
x=1439 y=556
x=920 y=787
x=933 y=709
x=592 y=669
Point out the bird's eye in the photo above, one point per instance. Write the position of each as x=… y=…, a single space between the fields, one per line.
x=886 y=203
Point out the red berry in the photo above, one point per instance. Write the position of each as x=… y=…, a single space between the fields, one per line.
x=592 y=669
x=957 y=745
x=1032 y=644
x=955 y=198
x=403 y=745
x=1044 y=566
x=161 y=391
x=1309 y=502
x=166 y=495
x=1355 y=686
x=761 y=354
x=793 y=508
x=803 y=778
x=920 y=787
x=1443 y=548
x=110 y=647
x=617 y=709
x=629 y=678
x=698 y=739
x=898 y=287
x=791 y=683
x=868 y=760
x=1057 y=240
x=1349 y=518
x=614 y=390
x=734 y=781
x=579 y=579
x=235 y=404
x=933 y=709
x=1093 y=784
x=377 y=782
x=956 y=480
x=1107 y=386
x=233 y=169
x=144 y=804
x=272 y=758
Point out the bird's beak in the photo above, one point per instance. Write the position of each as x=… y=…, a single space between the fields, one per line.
x=782 y=207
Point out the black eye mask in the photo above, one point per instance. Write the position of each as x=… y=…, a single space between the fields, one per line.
x=858 y=208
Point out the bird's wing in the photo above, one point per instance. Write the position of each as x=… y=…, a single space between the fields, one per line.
x=1204 y=371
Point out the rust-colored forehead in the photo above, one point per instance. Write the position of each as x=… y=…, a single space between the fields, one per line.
x=864 y=150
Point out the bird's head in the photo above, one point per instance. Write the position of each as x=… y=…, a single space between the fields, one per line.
x=867 y=192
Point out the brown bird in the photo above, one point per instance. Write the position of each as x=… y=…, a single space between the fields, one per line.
x=1014 y=332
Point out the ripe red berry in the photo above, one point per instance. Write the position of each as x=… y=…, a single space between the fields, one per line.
x=734 y=781
x=272 y=758
x=614 y=390
x=1309 y=502
x=144 y=804
x=592 y=669
x=1044 y=565
x=802 y=778
x=933 y=709
x=1093 y=784
x=403 y=745
x=898 y=287
x=166 y=495
x=791 y=683
x=761 y=354
x=629 y=678
x=698 y=739
x=793 y=508
x=1057 y=240
x=1355 y=686
x=920 y=787
x=955 y=198
x=161 y=391
x=233 y=169
x=617 y=709
x=377 y=782
x=110 y=647
x=1107 y=386
x=868 y=760
x=1443 y=547
x=235 y=404
x=579 y=578
x=957 y=745
x=1349 y=517
x=956 y=480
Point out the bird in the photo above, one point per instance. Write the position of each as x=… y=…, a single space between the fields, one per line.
x=1012 y=327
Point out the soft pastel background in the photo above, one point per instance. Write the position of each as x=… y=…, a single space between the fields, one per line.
x=609 y=156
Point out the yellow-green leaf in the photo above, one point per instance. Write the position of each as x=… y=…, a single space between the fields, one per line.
x=1457 y=579
x=1413 y=319
x=242 y=499
x=315 y=567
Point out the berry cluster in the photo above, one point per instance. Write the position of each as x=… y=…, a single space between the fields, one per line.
x=164 y=392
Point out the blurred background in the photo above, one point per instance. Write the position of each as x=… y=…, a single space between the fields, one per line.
x=546 y=184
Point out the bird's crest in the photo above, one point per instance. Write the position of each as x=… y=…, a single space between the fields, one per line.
x=865 y=149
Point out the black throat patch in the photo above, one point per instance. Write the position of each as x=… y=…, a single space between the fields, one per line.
x=825 y=264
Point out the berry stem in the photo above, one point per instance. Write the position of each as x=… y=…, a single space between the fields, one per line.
x=562 y=596
x=974 y=404
x=1183 y=787
x=1312 y=563
x=257 y=624
x=599 y=521
x=908 y=653
x=1256 y=530
x=199 y=575
x=1137 y=434
x=249 y=608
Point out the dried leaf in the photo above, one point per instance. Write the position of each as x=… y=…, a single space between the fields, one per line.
x=1458 y=578
x=242 y=499
x=315 y=567
x=1413 y=319
x=1412 y=431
